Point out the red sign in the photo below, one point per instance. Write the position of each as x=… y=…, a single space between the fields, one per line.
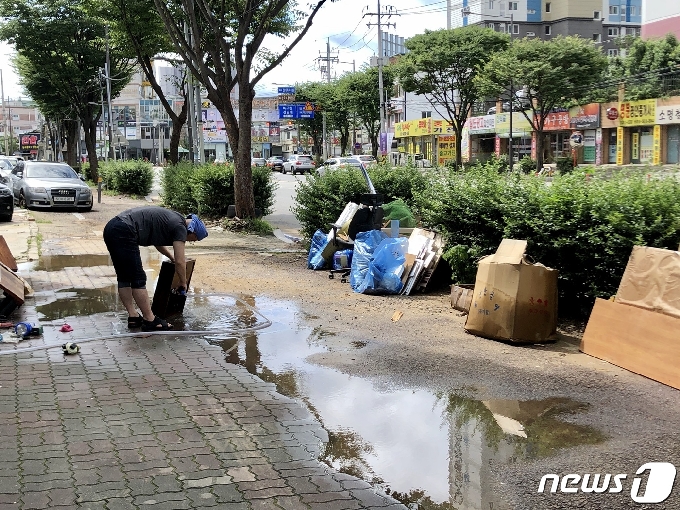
x=557 y=121
x=29 y=142
x=612 y=113
x=533 y=145
x=498 y=145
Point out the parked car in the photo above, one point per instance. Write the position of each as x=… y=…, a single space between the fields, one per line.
x=298 y=163
x=44 y=184
x=6 y=203
x=258 y=162
x=275 y=163
x=335 y=163
x=367 y=159
x=5 y=170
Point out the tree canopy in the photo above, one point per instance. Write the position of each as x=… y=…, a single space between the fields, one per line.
x=548 y=74
x=221 y=43
x=442 y=65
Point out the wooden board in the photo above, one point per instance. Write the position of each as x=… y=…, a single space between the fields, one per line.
x=12 y=285
x=166 y=304
x=6 y=256
x=644 y=342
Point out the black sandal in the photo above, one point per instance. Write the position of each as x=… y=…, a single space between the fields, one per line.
x=135 y=322
x=153 y=325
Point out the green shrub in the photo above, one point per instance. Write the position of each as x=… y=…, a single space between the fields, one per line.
x=585 y=228
x=176 y=188
x=131 y=177
x=527 y=165
x=209 y=189
x=565 y=165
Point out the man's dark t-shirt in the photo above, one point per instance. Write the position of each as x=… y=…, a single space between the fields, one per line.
x=155 y=226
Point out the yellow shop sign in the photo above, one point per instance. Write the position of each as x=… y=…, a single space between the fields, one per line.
x=637 y=113
x=422 y=127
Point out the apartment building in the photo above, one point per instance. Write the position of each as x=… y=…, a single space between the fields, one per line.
x=602 y=21
x=19 y=116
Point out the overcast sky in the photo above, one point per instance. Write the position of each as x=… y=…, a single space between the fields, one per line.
x=341 y=21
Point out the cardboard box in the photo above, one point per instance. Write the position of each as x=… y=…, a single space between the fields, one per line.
x=461 y=297
x=652 y=281
x=513 y=299
x=636 y=339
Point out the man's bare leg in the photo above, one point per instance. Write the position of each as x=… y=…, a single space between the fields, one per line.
x=125 y=294
x=141 y=297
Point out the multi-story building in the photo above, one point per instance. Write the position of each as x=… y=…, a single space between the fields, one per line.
x=20 y=116
x=602 y=21
x=660 y=18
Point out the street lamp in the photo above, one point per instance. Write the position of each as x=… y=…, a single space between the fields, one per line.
x=465 y=12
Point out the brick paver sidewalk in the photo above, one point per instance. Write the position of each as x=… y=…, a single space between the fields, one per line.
x=157 y=422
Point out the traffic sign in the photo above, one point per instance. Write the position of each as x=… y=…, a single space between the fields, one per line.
x=296 y=111
x=286 y=90
x=576 y=139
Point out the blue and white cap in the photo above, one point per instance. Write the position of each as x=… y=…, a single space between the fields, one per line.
x=196 y=226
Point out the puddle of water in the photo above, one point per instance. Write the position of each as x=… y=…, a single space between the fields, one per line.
x=79 y=302
x=59 y=262
x=421 y=447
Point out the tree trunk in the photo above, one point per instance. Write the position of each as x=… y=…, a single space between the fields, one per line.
x=71 y=128
x=539 y=149
x=344 y=141
x=90 y=128
x=177 y=126
x=374 y=144
x=244 y=197
x=458 y=128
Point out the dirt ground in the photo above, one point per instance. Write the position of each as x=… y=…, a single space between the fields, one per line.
x=428 y=348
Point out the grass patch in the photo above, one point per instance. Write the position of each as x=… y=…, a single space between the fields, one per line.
x=43 y=221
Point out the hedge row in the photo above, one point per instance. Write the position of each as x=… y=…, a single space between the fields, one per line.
x=131 y=177
x=581 y=225
x=209 y=189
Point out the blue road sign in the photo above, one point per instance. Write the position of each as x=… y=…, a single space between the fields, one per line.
x=286 y=90
x=295 y=111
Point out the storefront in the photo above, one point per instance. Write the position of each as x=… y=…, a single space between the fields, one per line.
x=586 y=119
x=482 y=142
x=668 y=120
x=637 y=118
x=609 y=122
x=521 y=134
x=558 y=131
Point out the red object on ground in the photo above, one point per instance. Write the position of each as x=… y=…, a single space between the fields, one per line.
x=66 y=328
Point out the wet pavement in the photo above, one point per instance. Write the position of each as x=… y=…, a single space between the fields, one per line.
x=150 y=421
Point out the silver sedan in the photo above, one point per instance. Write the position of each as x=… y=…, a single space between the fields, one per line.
x=44 y=184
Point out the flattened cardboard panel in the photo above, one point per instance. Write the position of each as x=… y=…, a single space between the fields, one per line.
x=652 y=280
x=6 y=256
x=510 y=251
x=12 y=285
x=636 y=339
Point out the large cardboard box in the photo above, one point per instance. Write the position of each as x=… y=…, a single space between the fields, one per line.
x=636 y=339
x=652 y=281
x=514 y=299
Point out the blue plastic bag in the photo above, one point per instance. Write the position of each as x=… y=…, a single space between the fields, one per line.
x=385 y=268
x=365 y=244
x=319 y=242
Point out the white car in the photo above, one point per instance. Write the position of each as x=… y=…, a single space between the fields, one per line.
x=335 y=163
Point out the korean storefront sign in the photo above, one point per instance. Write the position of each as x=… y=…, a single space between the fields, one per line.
x=447 y=148
x=585 y=117
x=422 y=127
x=442 y=127
x=520 y=125
x=557 y=121
x=656 y=155
x=482 y=125
x=637 y=113
x=668 y=114
x=403 y=129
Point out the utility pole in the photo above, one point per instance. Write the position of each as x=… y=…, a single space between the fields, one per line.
x=328 y=60
x=4 y=114
x=190 y=103
x=512 y=100
x=199 y=123
x=108 y=94
x=389 y=12
x=103 y=116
